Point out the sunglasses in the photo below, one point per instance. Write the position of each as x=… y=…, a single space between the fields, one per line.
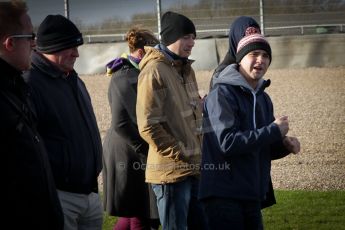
x=27 y=36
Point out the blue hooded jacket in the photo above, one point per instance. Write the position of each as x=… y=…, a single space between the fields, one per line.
x=240 y=139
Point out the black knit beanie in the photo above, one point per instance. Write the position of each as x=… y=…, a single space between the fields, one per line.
x=57 y=33
x=250 y=43
x=174 y=26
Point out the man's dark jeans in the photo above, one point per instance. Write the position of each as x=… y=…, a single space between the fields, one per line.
x=224 y=213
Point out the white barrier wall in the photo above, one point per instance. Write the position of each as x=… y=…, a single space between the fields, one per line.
x=287 y=52
x=308 y=51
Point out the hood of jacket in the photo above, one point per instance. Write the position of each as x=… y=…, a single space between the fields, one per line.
x=117 y=63
x=158 y=54
x=230 y=75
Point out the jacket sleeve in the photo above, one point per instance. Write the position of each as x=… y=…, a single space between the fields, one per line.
x=222 y=111
x=278 y=150
x=152 y=121
x=122 y=99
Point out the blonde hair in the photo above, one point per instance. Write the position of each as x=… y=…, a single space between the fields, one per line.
x=138 y=38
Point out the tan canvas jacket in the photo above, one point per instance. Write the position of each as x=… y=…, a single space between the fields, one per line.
x=169 y=117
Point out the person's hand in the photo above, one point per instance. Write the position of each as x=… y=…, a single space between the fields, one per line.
x=292 y=144
x=283 y=124
x=184 y=154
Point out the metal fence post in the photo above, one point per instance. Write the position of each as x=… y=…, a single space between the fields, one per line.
x=262 y=17
x=66 y=8
x=159 y=18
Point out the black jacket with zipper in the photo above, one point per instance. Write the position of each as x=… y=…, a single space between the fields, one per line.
x=68 y=126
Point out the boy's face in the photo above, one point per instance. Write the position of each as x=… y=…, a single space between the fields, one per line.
x=183 y=46
x=254 y=65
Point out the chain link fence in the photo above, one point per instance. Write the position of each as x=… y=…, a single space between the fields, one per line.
x=213 y=18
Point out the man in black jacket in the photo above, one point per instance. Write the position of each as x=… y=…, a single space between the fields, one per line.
x=67 y=122
x=30 y=200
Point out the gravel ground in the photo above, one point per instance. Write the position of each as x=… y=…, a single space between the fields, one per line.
x=314 y=100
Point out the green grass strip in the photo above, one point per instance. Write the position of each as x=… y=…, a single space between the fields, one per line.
x=296 y=210
x=306 y=210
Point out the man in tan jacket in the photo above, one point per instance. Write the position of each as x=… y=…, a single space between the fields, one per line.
x=169 y=119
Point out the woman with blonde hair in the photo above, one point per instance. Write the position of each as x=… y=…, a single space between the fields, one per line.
x=126 y=194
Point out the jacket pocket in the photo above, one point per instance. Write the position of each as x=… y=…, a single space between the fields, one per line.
x=57 y=148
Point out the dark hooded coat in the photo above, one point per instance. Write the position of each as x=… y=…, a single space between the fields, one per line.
x=124 y=152
x=241 y=138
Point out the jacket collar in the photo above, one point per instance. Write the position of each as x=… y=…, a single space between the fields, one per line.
x=10 y=76
x=174 y=58
x=230 y=75
x=43 y=64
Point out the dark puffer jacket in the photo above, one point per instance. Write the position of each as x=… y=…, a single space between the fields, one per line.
x=68 y=126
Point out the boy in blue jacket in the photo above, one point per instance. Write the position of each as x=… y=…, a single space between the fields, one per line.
x=241 y=137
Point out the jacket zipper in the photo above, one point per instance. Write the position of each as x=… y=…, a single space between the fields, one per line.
x=254 y=108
